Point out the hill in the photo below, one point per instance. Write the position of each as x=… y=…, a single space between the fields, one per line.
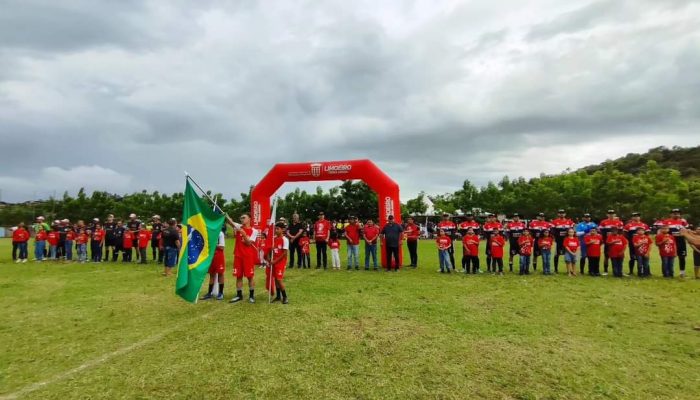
x=684 y=159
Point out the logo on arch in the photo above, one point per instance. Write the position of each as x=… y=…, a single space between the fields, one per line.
x=316 y=170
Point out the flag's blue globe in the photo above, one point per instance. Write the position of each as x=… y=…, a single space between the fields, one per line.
x=195 y=245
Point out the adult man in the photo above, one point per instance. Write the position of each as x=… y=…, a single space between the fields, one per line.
x=450 y=229
x=294 y=232
x=675 y=224
x=322 y=231
x=630 y=230
x=412 y=232
x=110 y=239
x=491 y=227
x=514 y=229
x=352 y=235
x=582 y=229
x=392 y=234
x=536 y=227
x=370 y=234
x=134 y=225
x=606 y=225
x=561 y=226
x=171 y=244
x=245 y=256
x=156 y=229
x=119 y=230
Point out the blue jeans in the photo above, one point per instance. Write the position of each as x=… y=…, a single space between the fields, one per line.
x=524 y=264
x=22 y=246
x=52 y=252
x=370 y=250
x=353 y=254
x=617 y=266
x=39 y=250
x=444 y=261
x=546 y=261
x=170 y=256
x=68 y=249
x=643 y=266
x=82 y=252
x=667 y=266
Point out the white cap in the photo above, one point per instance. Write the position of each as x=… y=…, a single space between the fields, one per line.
x=40 y=218
x=65 y=220
x=156 y=216
x=96 y=219
x=132 y=215
x=56 y=222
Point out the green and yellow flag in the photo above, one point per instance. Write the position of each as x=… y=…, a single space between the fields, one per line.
x=200 y=233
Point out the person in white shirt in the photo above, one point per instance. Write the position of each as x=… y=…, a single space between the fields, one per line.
x=217 y=268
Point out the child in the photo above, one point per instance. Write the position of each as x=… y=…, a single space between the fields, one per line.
x=98 y=238
x=144 y=240
x=20 y=236
x=52 y=238
x=305 y=245
x=498 y=242
x=667 y=250
x=261 y=244
x=127 y=242
x=525 y=244
x=642 y=248
x=545 y=245
x=571 y=245
x=217 y=268
x=470 y=251
x=68 y=243
x=81 y=241
x=334 y=245
x=593 y=241
x=443 y=243
x=280 y=250
x=616 y=244
x=39 y=243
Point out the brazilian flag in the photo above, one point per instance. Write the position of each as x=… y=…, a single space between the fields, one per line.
x=200 y=234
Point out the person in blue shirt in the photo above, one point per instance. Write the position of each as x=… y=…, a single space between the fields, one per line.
x=582 y=229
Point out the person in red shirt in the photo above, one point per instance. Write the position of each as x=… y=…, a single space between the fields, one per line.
x=537 y=228
x=217 y=269
x=322 y=231
x=630 y=230
x=334 y=246
x=20 y=237
x=352 y=235
x=497 y=245
x=470 y=251
x=70 y=235
x=525 y=247
x=642 y=248
x=667 y=250
x=370 y=234
x=561 y=225
x=144 y=240
x=605 y=226
x=412 y=232
x=305 y=245
x=616 y=244
x=450 y=229
x=491 y=226
x=570 y=245
x=127 y=242
x=443 y=244
x=244 y=257
x=53 y=238
x=278 y=262
x=514 y=229
x=82 y=240
x=40 y=242
x=98 y=239
x=593 y=241
x=544 y=244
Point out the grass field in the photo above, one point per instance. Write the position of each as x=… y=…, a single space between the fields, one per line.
x=118 y=331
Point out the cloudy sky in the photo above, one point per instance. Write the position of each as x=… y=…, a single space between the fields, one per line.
x=126 y=95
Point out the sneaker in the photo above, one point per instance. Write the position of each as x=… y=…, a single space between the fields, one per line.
x=18 y=261
x=206 y=296
x=25 y=260
x=682 y=272
x=604 y=274
x=236 y=299
x=251 y=300
x=276 y=299
x=285 y=301
x=220 y=296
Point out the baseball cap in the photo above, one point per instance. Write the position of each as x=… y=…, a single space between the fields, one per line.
x=635 y=214
x=587 y=215
x=132 y=215
x=676 y=210
x=516 y=214
x=611 y=211
x=561 y=211
x=540 y=214
x=469 y=214
x=445 y=215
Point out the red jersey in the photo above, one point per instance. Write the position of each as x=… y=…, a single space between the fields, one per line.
x=322 y=230
x=128 y=239
x=616 y=245
x=571 y=243
x=82 y=238
x=334 y=244
x=593 y=243
x=20 y=235
x=545 y=243
x=608 y=223
x=497 y=244
x=515 y=229
x=642 y=245
x=561 y=226
x=53 y=237
x=491 y=227
x=98 y=235
x=537 y=227
x=40 y=236
x=70 y=235
x=352 y=232
x=471 y=243
x=675 y=225
x=525 y=244
x=443 y=242
x=241 y=248
x=280 y=247
x=448 y=226
x=371 y=233
x=632 y=226
x=412 y=232
x=465 y=225
x=304 y=244
x=667 y=245
x=144 y=237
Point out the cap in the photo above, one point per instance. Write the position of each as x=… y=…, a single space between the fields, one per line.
x=635 y=214
x=280 y=225
x=352 y=217
x=540 y=215
x=445 y=215
x=611 y=211
x=676 y=210
x=96 y=219
x=469 y=214
x=172 y=220
x=561 y=211
x=516 y=214
x=41 y=218
x=156 y=216
x=132 y=215
x=587 y=215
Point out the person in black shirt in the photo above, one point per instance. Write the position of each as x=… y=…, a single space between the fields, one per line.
x=118 y=239
x=294 y=232
x=171 y=243
x=134 y=225
x=156 y=229
x=110 y=241
x=392 y=233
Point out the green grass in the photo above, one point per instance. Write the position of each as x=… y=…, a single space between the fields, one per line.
x=364 y=335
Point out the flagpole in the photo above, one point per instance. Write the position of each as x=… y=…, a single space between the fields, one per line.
x=271 y=224
x=188 y=177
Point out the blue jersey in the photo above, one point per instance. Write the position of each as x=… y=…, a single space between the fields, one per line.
x=582 y=229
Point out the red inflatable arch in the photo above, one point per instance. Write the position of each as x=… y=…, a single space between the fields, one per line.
x=387 y=190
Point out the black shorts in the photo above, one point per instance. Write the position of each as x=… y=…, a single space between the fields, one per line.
x=514 y=247
x=560 y=246
x=110 y=241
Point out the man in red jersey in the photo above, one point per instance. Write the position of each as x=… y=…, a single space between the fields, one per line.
x=536 y=227
x=352 y=235
x=491 y=227
x=244 y=257
x=450 y=229
x=561 y=225
x=612 y=221
x=370 y=233
x=514 y=229
x=322 y=231
x=412 y=232
x=630 y=230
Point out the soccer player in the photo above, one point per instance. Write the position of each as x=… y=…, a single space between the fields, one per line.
x=334 y=245
x=217 y=268
x=412 y=232
x=514 y=229
x=593 y=241
x=81 y=240
x=667 y=250
x=52 y=237
x=537 y=228
x=470 y=251
x=156 y=228
x=352 y=235
x=491 y=226
x=605 y=226
x=322 y=231
x=525 y=246
x=570 y=245
x=20 y=237
x=617 y=244
x=118 y=233
x=450 y=229
x=545 y=243
x=110 y=238
x=392 y=233
x=641 y=244
x=305 y=244
x=143 y=239
x=280 y=249
x=244 y=255
x=630 y=230
x=96 y=243
x=40 y=242
x=127 y=243
x=443 y=244
x=68 y=241
x=497 y=244
x=675 y=224
x=133 y=225
x=582 y=229
x=561 y=225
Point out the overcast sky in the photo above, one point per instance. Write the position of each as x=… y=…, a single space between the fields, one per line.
x=126 y=95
